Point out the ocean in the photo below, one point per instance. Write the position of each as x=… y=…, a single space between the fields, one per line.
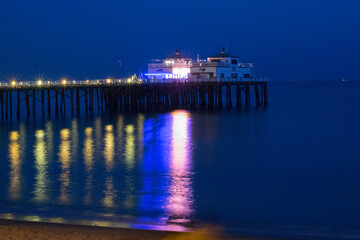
x=290 y=169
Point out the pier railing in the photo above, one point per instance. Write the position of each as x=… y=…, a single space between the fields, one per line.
x=46 y=83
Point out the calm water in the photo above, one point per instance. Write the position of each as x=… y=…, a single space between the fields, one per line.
x=291 y=169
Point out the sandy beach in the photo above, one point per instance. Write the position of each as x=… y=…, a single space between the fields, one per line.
x=10 y=230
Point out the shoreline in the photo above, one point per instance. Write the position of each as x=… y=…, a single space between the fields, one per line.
x=16 y=229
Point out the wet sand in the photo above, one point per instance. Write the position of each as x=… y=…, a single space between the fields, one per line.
x=10 y=230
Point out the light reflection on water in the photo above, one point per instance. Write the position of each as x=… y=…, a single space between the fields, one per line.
x=100 y=166
x=109 y=146
x=88 y=152
x=109 y=153
x=41 y=165
x=179 y=203
x=64 y=159
x=129 y=146
x=15 y=157
x=261 y=170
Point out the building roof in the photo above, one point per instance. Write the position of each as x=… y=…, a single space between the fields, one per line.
x=177 y=55
x=223 y=54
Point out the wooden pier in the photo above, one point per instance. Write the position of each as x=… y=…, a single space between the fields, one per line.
x=55 y=99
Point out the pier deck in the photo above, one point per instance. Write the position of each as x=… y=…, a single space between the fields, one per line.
x=87 y=96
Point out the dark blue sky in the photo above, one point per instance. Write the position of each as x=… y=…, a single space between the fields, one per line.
x=285 y=39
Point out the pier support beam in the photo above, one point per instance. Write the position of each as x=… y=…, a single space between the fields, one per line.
x=265 y=95
x=238 y=96
x=34 y=103
x=220 y=104
x=48 y=102
x=10 y=102
x=27 y=102
x=72 y=100
x=7 y=105
x=86 y=100
x=247 y=96
x=42 y=102
x=56 y=102
x=2 y=104
x=257 y=95
x=77 y=100
x=18 y=104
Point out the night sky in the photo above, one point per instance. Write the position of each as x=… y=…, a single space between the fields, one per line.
x=285 y=39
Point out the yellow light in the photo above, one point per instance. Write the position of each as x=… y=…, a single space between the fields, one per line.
x=65 y=134
x=109 y=148
x=65 y=160
x=88 y=131
x=108 y=80
x=39 y=82
x=40 y=134
x=41 y=165
x=14 y=136
x=129 y=80
x=15 y=166
x=109 y=128
x=64 y=81
x=130 y=146
x=13 y=83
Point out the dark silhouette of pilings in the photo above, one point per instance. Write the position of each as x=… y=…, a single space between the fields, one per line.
x=130 y=97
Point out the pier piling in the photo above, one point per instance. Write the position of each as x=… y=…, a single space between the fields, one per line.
x=130 y=97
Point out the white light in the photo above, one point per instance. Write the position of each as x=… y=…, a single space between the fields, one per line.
x=64 y=81
x=13 y=83
x=181 y=72
x=39 y=82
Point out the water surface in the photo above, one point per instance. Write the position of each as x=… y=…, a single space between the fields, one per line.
x=290 y=169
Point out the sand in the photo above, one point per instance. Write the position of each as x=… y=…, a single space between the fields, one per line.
x=10 y=229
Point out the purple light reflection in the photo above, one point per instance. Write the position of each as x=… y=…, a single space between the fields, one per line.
x=180 y=201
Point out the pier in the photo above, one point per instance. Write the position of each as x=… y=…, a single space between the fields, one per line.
x=109 y=95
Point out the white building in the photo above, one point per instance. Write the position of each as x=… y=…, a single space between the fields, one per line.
x=221 y=67
x=175 y=66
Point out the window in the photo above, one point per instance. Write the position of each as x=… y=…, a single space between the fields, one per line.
x=222 y=75
x=234 y=75
x=215 y=60
x=246 y=75
x=234 y=61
